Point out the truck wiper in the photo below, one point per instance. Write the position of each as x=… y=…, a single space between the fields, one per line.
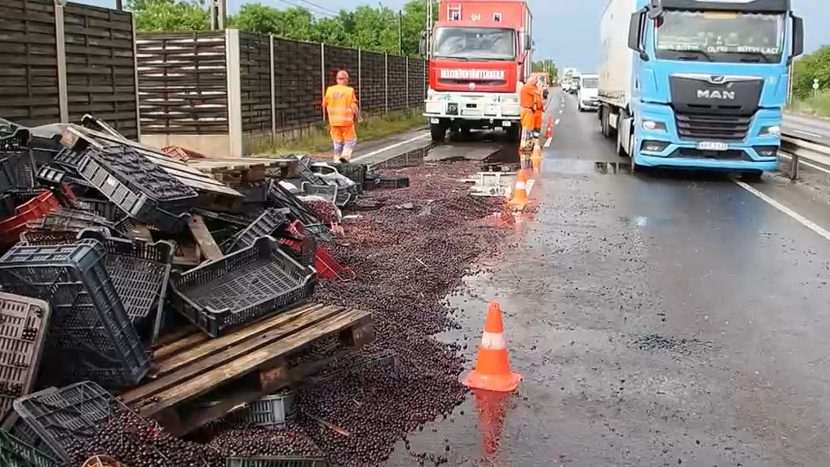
x=698 y=53
x=459 y=59
x=760 y=55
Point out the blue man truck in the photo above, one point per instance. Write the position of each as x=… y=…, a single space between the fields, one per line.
x=698 y=84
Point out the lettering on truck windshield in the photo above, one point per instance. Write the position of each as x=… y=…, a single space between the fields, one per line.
x=475 y=43
x=720 y=37
x=482 y=75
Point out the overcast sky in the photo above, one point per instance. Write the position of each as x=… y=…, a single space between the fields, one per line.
x=566 y=30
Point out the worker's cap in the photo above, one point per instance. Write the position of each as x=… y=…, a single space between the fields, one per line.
x=342 y=74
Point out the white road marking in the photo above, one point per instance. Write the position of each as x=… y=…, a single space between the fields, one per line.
x=796 y=216
x=547 y=143
x=391 y=146
x=556 y=122
x=808 y=164
x=529 y=186
x=802 y=132
x=561 y=111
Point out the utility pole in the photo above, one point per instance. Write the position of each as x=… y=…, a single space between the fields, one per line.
x=218 y=14
x=400 y=32
x=430 y=14
x=119 y=5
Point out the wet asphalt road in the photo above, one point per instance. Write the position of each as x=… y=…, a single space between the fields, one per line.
x=657 y=320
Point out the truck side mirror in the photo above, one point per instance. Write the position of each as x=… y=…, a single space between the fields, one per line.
x=635 y=28
x=528 y=42
x=798 y=36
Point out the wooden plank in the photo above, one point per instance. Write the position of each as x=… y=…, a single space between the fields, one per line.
x=175 y=336
x=214 y=346
x=210 y=250
x=245 y=364
x=182 y=373
x=186 y=342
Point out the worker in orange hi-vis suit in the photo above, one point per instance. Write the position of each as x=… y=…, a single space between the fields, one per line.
x=340 y=105
x=529 y=99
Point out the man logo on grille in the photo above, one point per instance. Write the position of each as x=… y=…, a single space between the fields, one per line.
x=714 y=94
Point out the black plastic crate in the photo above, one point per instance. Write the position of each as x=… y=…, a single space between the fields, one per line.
x=63 y=417
x=140 y=271
x=277 y=461
x=48 y=237
x=354 y=172
x=17 y=453
x=16 y=163
x=104 y=208
x=139 y=187
x=263 y=226
x=23 y=325
x=279 y=197
x=72 y=220
x=241 y=287
x=392 y=181
x=90 y=334
x=14 y=424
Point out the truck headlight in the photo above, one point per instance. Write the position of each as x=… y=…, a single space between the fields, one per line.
x=770 y=130
x=510 y=99
x=653 y=125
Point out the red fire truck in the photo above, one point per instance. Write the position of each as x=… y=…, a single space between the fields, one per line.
x=480 y=52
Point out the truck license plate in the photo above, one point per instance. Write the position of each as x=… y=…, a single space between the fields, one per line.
x=712 y=146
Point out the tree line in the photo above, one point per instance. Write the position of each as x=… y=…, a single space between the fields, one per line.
x=811 y=67
x=379 y=29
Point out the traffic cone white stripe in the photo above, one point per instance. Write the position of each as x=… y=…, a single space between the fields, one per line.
x=521 y=186
x=493 y=341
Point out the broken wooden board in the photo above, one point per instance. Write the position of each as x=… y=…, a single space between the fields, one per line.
x=240 y=367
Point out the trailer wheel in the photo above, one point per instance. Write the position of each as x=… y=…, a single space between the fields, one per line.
x=438 y=132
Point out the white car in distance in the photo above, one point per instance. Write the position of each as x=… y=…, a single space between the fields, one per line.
x=587 y=93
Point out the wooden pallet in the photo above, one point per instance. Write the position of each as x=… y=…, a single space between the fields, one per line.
x=241 y=367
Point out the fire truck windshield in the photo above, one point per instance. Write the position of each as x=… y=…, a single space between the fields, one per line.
x=475 y=43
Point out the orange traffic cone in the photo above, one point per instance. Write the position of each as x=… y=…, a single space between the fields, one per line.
x=549 y=129
x=520 y=199
x=492 y=371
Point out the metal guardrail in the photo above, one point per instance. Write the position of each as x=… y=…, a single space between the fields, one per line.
x=804 y=152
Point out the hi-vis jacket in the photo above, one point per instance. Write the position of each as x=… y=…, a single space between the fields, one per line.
x=338 y=102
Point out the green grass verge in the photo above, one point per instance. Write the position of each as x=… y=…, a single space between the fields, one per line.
x=372 y=129
x=819 y=105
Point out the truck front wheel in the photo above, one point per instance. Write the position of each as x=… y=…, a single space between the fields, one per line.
x=438 y=131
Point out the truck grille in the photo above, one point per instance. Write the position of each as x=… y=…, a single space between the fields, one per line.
x=713 y=127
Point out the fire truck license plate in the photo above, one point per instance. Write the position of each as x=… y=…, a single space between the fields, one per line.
x=712 y=146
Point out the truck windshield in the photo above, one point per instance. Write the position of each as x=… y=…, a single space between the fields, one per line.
x=475 y=43
x=590 y=83
x=720 y=37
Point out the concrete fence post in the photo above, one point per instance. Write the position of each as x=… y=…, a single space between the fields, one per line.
x=323 y=78
x=273 y=85
x=234 y=75
x=60 y=52
x=386 y=80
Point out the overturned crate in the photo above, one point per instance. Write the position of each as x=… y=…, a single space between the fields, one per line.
x=91 y=336
x=241 y=367
x=139 y=187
